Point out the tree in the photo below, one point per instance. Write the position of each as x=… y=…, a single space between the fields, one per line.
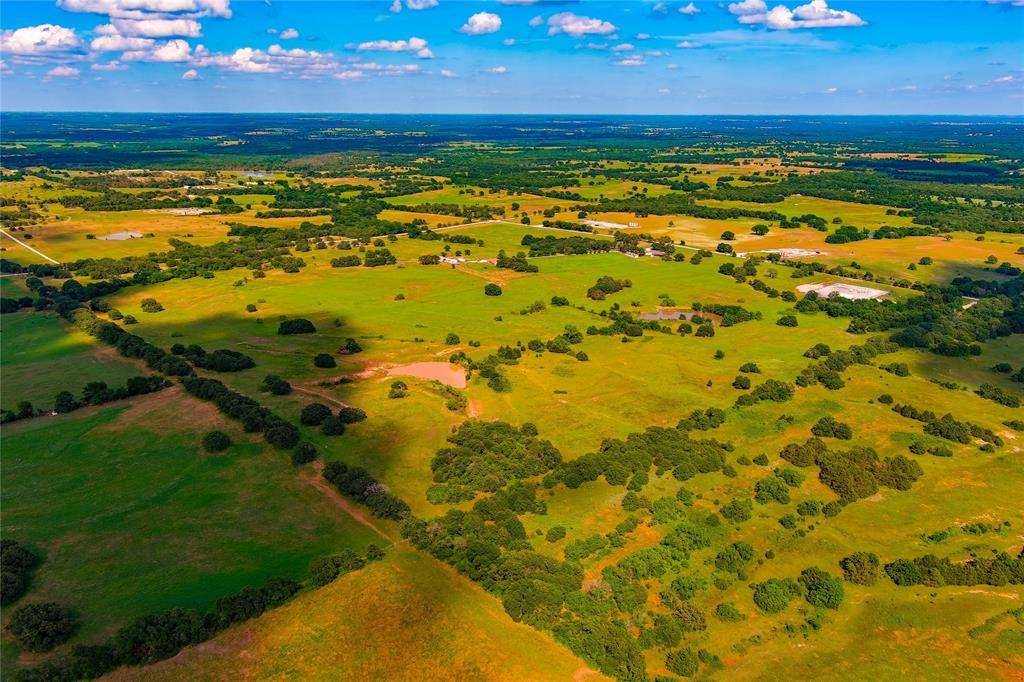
x=452 y=339
x=774 y=595
x=351 y=347
x=314 y=414
x=40 y=627
x=295 y=325
x=303 y=453
x=771 y=489
x=860 y=568
x=275 y=385
x=351 y=415
x=150 y=305
x=741 y=382
x=332 y=426
x=787 y=321
x=682 y=662
x=324 y=361
x=492 y=289
x=216 y=441
x=64 y=402
x=822 y=589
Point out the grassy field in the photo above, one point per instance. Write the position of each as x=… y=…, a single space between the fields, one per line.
x=407 y=617
x=43 y=356
x=133 y=518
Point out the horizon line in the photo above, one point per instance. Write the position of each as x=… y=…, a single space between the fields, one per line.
x=477 y=113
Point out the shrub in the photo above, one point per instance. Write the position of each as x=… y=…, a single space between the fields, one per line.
x=275 y=385
x=774 y=595
x=741 y=382
x=297 y=325
x=828 y=427
x=16 y=564
x=737 y=510
x=729 y=613
x=682 y=662
x=555 y=533
x=822 y=589
x=750 y=368
x=150 y=305
x=351 y=347
x=304 y=453
x=282 y=435
x=860 y=568
x=452 y=339
x=771 y=489
x=787 y=321
x=324 y=361
x=314 y=414
x=216 y=441
x=351 y=415
x=492 y=289
x=40 y=627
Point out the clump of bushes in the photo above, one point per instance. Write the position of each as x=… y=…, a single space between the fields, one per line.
x=860 y=568
x=324 y=361
x=216 y=441
x=492 y=289
x=150 y=305
x=296 y=325
x=275 y=385
x=829 y=427
x=16 y=565
x=41 y=627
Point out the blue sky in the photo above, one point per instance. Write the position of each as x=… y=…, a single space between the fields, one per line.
x=515 y=56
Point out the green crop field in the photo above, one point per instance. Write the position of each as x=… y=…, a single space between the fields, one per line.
x=471 y=407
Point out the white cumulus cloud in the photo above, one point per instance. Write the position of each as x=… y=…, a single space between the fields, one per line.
x=497 y=69
x=415 y=45
x=576 y=25
x=690 y=9
x=139 y=9
x=152 y=28
x=449 y=74
x=190 y=75
x=289 y=34
x=41 y=39
x=815 y=14
x=481 y=23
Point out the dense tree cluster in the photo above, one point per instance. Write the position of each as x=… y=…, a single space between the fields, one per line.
x=668 y=449
x=485 y=456
x=549 y=245
x=607 y=285
x=930 y=570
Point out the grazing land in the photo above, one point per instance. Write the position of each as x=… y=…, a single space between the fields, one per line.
x=551 y=399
